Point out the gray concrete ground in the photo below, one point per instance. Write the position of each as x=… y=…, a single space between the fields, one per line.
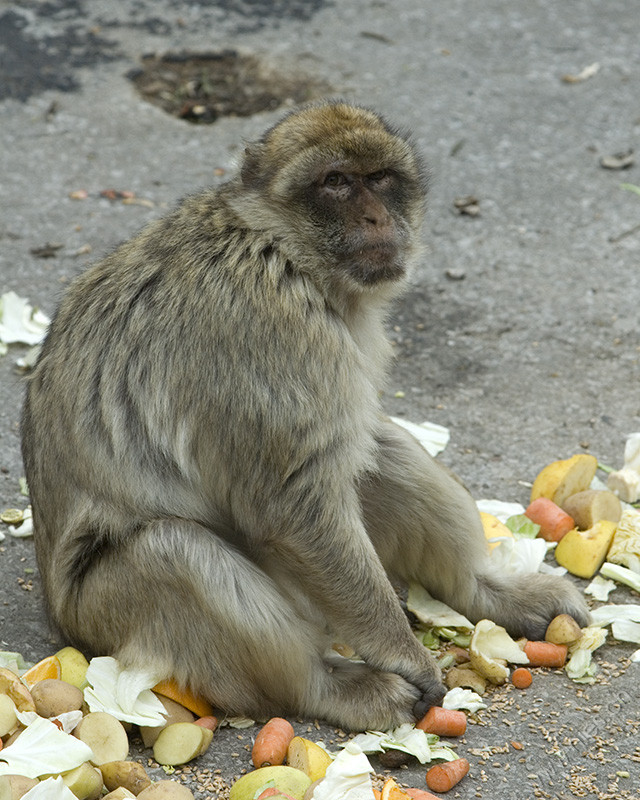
x=521 y=330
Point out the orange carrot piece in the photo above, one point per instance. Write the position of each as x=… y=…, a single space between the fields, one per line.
x=272 y=741
x=171 y=689
x=443 y=722
x=445 y=776
x=546 y=654
x=553 y=521
x=420 y=794
x=521 y=678
x=211 y=723
x=48 y=668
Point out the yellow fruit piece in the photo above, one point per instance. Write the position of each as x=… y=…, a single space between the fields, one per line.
x=561 y=479
x=493 y=529
x=49 y=667
x=198 y=705
x=73 y=666
x=309 y=757
x=391 y=791
x=584 y=552
x=286 y=779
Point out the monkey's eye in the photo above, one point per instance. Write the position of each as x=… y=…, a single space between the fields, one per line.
x=335 y=179
x=377 y=176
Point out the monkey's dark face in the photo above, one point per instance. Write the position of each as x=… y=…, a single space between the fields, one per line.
x=362 y=218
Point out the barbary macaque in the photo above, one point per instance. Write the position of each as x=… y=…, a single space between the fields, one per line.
x=217 y=494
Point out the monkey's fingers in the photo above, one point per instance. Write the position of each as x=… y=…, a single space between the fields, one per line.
x=432 y=697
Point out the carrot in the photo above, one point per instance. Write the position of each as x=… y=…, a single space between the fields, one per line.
x=207 y=722
x=391 y=791
x=49 y=667
x=521 y=678
x=171 y=689
x=445 y=776
x=553 y=521
x=545 y=654
x=420 y=794
x=443 y=722
x=272 y=741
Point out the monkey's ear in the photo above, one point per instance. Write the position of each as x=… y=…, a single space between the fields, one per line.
x=251 y=170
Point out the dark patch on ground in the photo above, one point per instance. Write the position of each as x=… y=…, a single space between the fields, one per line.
x=201 y=87
x=31 y=65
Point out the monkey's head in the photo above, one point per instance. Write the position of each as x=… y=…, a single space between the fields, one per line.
x=348 y=186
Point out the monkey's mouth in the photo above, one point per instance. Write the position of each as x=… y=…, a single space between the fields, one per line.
x=376 y=264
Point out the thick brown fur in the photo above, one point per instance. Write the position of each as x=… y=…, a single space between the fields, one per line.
x=216 y=492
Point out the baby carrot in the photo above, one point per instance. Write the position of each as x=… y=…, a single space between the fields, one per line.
x=553 y=521
x=420 y=794
x=521 y=678
x=443 y=722
x=272 y=741
x=546 y=654
x=207 y=722
x=445 y=776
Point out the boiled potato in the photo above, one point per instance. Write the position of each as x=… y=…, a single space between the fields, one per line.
x=129 y=774
x=561 y=479
x=84 y=781
x=119 y=794
x=11 y=685
x=105 y=735
x=563 y=629
x=166 y=790
x=308 y=756
x=8 y=719
x=494 y=529
x=53 y=697
x=175 y=713
x=13 y=787
x=591 y=506
x=180 y=742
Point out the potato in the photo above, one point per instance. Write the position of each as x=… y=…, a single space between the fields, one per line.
x=592 y=505
x=180 y=742
x=73 y=666
x=563 y=629
x=53 y=697
x=561 y=479
x=129 y=774
x=105 y=735
x=175 y=713
x=466 y=678
x=288 y=780
x=8 y=719
x=584 y=552
x=308 y=756
x=166 y=790
x=84 y=781
x=11 y=685
x=13 y=787
x=118 y=794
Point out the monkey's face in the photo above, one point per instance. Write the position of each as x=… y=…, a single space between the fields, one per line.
x=360 y=214
x=347 y=187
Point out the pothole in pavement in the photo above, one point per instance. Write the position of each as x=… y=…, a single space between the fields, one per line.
x=202 y=87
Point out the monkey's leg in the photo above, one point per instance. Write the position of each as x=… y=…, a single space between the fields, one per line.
x=177 y=599
x=426 y=528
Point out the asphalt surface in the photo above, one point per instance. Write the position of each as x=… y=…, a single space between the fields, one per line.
x=520 y=333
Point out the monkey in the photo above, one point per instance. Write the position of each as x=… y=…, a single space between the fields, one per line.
x=217 y=493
